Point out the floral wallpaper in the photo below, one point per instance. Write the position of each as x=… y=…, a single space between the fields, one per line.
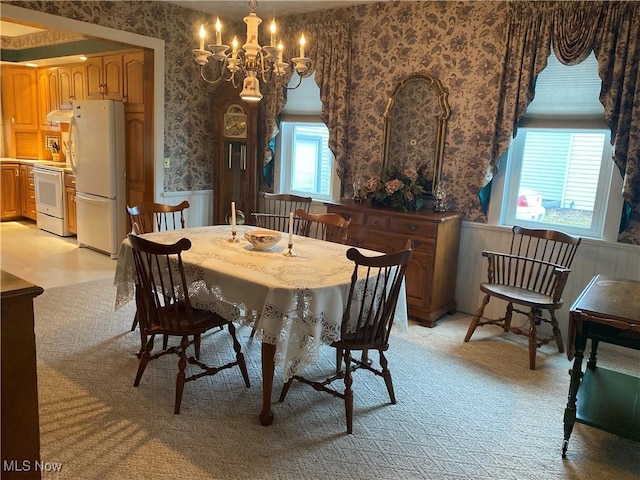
x=459 y=42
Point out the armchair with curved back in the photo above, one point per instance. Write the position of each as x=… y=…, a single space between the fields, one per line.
x=533 y=275
x=276 y=209
x=325 y=226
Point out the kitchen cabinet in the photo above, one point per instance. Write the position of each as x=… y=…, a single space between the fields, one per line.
x=48 y=95
x=70 y=212
x=235 y=169
x=431 y=274
x=20 y=112
x=71 y=83
x=104 y=78
x=11 y=208
x=134 y=91
x=27 y=192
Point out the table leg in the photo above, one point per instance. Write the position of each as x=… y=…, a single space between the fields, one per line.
x=591 y=363
x=268 y=367
x=576 y=376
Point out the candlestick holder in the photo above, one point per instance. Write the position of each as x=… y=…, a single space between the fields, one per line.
x=289 y=253
x=233 y=237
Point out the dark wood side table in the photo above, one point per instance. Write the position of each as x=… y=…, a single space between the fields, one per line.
x=20 y=419
x=607 y=310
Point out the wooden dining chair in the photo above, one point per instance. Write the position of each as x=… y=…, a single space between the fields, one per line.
x=325 y=226
x=159 y=217
x=164 y=308
x=276 y=209
x=532 y=275
x=149 y=216
x=366 y=324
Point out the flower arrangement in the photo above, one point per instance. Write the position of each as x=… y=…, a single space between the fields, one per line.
x=404 y=190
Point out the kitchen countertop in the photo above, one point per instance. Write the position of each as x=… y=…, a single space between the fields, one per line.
x=48 y=163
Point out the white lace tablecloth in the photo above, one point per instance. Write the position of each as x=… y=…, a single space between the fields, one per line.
x=298 y=301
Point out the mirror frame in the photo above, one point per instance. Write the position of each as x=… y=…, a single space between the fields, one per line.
x=441 y=118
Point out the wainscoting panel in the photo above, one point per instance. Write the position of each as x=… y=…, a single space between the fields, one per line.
x=593 y=257
x=200 y=211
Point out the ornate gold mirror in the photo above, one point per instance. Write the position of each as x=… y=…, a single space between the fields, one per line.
x=415 y=124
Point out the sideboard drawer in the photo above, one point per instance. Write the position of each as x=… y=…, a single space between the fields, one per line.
x=413 y=227
x=377 y=221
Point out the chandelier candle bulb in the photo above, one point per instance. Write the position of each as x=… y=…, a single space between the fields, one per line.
x=280 y=49
x=203 y=33
x=290 y=228
x=233 y=216
x=218 y=31
x=273 y=32
x=302 y=44
x=234 y=44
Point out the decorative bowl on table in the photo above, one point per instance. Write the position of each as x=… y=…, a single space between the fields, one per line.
x=262 y=239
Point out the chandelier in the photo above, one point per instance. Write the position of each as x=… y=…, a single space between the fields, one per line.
x=252 y=61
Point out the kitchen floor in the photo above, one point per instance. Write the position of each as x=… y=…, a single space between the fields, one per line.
x=48 y=260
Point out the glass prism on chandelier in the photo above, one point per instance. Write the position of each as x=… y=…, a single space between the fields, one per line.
x=252 y=60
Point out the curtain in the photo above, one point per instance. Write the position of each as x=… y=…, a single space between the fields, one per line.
x=329 y=50
x=612 y=30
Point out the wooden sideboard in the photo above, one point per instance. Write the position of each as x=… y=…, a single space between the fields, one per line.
x=431 y=274
x=20 y=419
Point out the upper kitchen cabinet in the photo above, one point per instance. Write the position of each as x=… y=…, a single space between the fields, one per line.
x=133 y=64
x=71 y=80
x=104 y=78
x=58 y=88
x=20 y=111
x=48 y=94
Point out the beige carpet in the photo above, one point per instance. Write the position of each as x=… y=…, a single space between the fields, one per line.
x=465 y=411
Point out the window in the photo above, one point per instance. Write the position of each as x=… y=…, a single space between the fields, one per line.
x=305 y=163
x=560 y=173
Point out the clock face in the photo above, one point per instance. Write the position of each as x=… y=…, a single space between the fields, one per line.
x=235 y=122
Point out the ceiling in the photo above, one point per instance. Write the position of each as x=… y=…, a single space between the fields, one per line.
x=265 y=8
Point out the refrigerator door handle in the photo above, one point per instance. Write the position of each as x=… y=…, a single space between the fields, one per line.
x=91 y=199
x=73 y=142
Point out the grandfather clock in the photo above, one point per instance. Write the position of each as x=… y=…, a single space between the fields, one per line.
x=235 y=124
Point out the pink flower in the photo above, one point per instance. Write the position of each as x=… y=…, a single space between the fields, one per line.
x=411 y=173
x=393 y=186
x=373 y=184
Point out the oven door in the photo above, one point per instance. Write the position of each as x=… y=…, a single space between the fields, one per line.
x=49 y=194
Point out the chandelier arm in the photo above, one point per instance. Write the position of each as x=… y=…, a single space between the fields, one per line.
x=211 y=82
x=297 y=85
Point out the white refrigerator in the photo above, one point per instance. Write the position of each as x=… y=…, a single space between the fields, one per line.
x=96 y=150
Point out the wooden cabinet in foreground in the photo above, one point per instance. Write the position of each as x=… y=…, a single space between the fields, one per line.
x=431 y=274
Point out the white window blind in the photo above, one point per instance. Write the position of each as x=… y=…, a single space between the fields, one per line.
x=566 y=93
x=304 y=100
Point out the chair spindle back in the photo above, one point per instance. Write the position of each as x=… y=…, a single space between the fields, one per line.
x=373 y=296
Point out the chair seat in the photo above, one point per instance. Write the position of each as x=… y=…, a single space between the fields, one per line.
x=521 y=296
x=201 y=321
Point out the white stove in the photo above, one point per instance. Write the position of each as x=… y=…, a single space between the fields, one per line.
x=50 y=199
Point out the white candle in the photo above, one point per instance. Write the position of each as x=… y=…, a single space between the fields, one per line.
x=233 y=216
x=302 y=44
x=280 y=49
x=218 y=31
x=273 y=32
x=290 y=228
x=203 y=34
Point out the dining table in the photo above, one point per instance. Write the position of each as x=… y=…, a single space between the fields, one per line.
x=295 y=302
